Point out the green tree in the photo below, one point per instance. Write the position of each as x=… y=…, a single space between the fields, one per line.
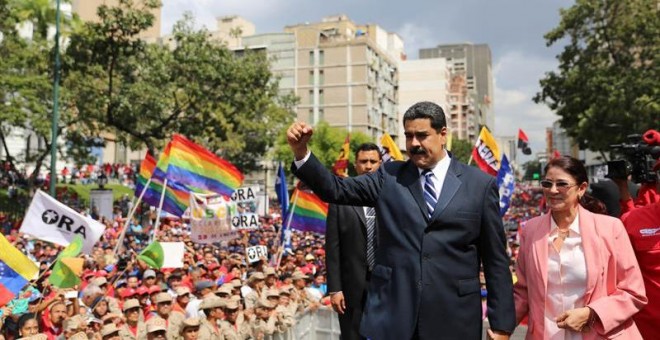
x=461 y=149
x=531 y=167
x=606 y=85
x=325 y=143
x=194 y=86
x=26 y=87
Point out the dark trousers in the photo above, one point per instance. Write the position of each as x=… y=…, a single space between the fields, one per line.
x=349 y=323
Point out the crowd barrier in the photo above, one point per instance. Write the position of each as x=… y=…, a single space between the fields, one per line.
x=320 y=325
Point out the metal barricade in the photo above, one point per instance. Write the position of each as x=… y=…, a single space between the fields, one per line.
x=322 y=324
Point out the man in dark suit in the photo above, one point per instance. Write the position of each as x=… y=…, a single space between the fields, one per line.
x=438 y=219
x=350 y=243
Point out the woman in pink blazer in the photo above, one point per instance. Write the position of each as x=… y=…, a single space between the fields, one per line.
x=577 y=273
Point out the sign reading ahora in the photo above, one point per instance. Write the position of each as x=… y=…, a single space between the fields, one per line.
x=49 y=220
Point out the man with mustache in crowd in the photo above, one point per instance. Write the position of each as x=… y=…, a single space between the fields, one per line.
x=438 y=220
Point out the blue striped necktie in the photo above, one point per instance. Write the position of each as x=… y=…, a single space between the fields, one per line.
x=429 y=191
x=371 y=237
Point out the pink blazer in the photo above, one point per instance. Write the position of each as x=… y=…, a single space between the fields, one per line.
x=615 y=288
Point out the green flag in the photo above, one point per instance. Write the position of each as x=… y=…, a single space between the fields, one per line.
x=67 y=268
x=153 y=255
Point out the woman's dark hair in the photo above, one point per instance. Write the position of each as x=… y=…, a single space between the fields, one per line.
x=23 y=319
x=576 y=169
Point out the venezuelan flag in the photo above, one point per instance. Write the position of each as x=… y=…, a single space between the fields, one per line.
x=310 y=212
x=200 y=170
x=16 y=270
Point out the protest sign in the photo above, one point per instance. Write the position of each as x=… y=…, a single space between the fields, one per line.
x=255 y=253
x=211 y=219
x=49 y=220
x=173 y=252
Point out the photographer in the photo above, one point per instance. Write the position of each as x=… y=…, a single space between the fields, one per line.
x=643 y=227
x=647 y=192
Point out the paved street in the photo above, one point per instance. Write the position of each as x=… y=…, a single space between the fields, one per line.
x=519 y=334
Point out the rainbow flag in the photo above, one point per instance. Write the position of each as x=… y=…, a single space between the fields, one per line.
x=309 y=213
x=16 y=270
x=198 y=169
x=176 y=196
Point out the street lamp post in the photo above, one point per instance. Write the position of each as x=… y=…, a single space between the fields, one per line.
x=56 y=112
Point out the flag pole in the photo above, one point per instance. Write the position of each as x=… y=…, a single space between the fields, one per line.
x=160 y=209
x=288 y=227
x=120 y=240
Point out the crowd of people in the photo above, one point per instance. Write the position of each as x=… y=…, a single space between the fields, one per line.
x=219 y=293
x=216 y=294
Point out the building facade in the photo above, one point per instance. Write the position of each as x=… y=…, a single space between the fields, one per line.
x=423 y=80
x=86 y=9
x=347 y=75
x=475 y=62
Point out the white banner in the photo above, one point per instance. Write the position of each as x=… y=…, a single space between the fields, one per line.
x=247 y=207
x=210 y=220
x=255 y=253
x=49 y=220
x=173 y=254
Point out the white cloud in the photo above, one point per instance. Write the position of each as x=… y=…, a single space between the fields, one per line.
x=206 y=11
x=516 y=82
x=415 y=37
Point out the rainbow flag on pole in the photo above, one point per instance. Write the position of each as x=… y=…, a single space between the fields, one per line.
x=310 y=212
x=176 y=196
x=16 y=270
x=199 y=169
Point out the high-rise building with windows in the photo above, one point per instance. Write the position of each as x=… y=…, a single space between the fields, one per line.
x=347 y=75
x=423 y=80
x=474 y=63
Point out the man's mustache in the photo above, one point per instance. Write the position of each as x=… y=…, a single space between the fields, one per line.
x=418 y=150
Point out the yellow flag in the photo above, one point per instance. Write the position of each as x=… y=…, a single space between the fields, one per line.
x=389 y=149
x=341 y=164
x=486 y=153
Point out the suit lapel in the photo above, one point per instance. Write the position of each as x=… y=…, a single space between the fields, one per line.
x=449 y=188
x=360 y=212
x=412 y=179
x=541 y=248
x=589 y=233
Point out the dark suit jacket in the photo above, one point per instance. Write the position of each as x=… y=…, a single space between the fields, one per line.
x=346 y=252
x=427 y=270
x=346 y=263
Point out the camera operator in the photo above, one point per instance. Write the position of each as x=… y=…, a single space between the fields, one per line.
x=647 y=193
x=643 y=227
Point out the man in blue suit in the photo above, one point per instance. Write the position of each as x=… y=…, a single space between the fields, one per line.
x=438 y=220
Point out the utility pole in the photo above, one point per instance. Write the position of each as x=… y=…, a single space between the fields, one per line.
x=56 y=112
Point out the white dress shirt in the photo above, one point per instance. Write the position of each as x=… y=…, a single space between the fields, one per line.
x=567 y=279
x=439 y=174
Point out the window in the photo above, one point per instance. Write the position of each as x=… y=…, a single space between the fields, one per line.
x=320 y=97
x=321 y=57
x=310 y=118
x=321 y=77
x=311 y=97
x=311 y=77
x=321 y=115
x=311 y=57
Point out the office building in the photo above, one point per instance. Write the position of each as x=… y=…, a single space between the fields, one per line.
x=347 y=75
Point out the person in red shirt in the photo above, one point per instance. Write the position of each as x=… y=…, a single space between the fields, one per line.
x=643 y=226
x=52 y=318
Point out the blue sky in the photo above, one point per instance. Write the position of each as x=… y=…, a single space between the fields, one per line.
x=514 y=30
